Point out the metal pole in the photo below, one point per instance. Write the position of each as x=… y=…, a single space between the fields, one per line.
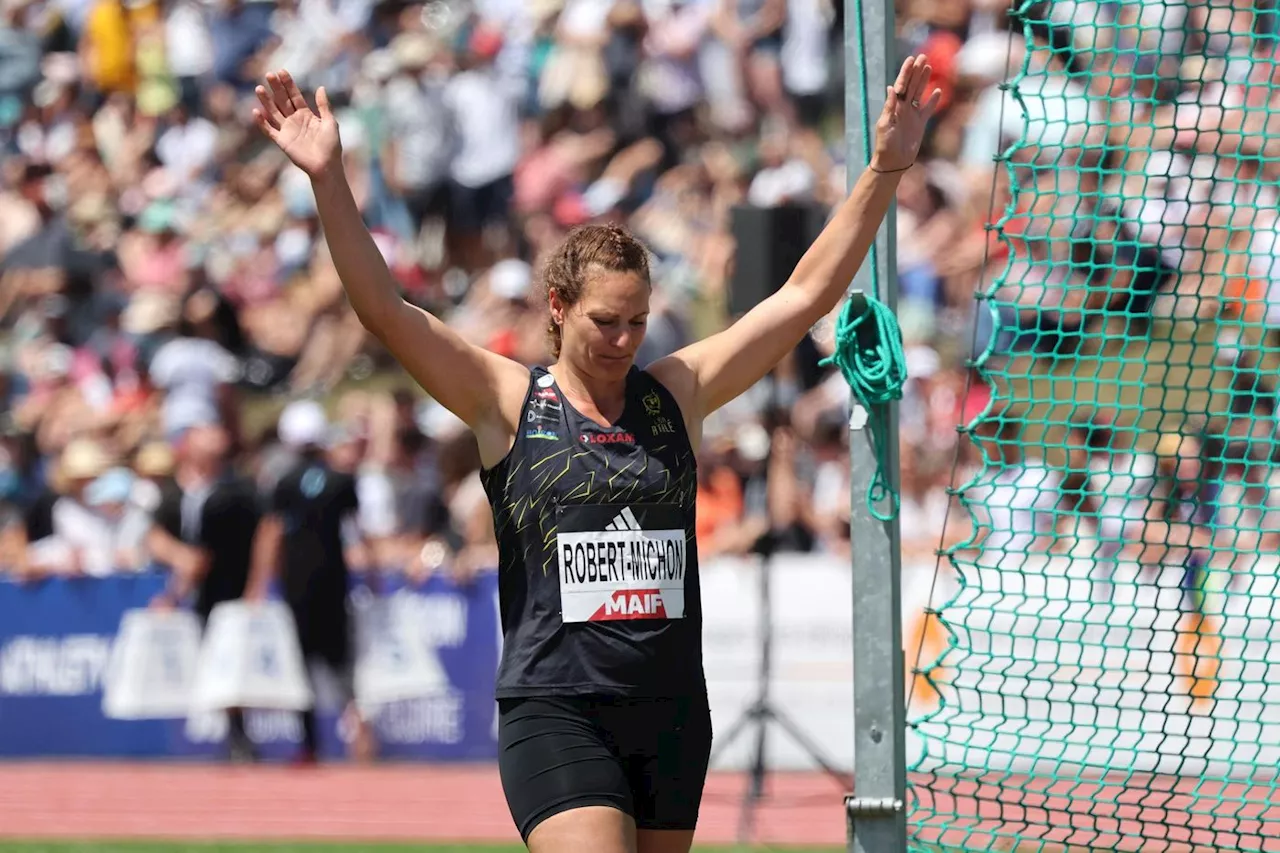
x=876 y=812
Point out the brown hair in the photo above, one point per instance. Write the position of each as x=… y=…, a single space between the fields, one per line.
x=608 y=247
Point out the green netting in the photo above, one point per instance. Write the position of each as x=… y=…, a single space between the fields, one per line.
x=1112 y=679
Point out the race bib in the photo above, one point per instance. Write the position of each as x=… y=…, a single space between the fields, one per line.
x=621 y=562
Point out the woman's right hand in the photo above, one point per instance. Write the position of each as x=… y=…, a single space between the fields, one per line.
x=308 y=137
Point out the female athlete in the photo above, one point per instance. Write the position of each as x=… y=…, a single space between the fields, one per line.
x=604 y=730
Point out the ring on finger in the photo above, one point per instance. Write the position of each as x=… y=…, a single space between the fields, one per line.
x=915 y=104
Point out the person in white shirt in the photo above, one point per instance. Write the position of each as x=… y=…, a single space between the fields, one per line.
x=188 y=146
x=671 y=73
x=189 y=48
x=484 y=110
x=806 y=68
x=1116 y=489
x=1051 y=114
x=1018 y=503
x=197 y=375
x=106 y=532
x=420 y=143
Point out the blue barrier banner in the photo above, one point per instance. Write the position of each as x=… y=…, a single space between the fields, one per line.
x=55 y=643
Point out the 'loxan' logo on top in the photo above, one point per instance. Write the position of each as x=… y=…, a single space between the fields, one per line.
x=608 y=438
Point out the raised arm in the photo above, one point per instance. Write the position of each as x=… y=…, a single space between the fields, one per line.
x=482 y=388
x=705 y=375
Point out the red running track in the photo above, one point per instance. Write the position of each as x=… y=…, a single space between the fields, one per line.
x=347 y=803
x=464 y=803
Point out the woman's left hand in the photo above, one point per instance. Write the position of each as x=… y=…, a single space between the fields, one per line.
x=906 y=114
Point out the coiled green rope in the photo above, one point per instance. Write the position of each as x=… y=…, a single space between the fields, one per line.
x=870 y=357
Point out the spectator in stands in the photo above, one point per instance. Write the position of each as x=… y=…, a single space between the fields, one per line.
x=97 y=528
x=240 y=29
x=720 y=503
x=154 y=464
x=162 y=270
x=806 y=58
x=203 y=533
x=1179 y=537
x=470 y=519
x=45 y=264
x=483 y=104
x=189 y=49
x=1183 y=506
x=925 y=515
x=752 y=30
x=817 y=470
x=196 y=373
x=300 y=542
x=1015 y=506
x=107 y=47
x=20 y=51
x=420 y=141
x=43 y=554
x=798 y=498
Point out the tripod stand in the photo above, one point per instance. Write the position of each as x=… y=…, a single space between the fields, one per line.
x=761 y=712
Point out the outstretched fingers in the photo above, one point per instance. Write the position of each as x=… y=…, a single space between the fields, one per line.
x=909 y=89
x=931 y=106
x=279 y=97
x=292 y=94
x=269 y=115
x=902 y=86
x=264 y=124
x=920 y=72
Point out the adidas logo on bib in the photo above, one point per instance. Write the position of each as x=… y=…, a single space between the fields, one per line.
x=626 y=520
x=627 y=564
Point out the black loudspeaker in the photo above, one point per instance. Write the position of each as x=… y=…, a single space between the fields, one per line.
x=770 y=242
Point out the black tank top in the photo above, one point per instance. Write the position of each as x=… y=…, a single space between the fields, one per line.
x=598 y=563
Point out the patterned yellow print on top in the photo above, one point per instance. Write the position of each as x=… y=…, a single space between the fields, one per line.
x=530 y=483
x=653 y=408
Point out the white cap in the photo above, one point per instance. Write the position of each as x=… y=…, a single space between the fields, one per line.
x=510 y=279
x=438 y=423
x=380 y=65
x=752 y=442
x=303 y=423
x=989 y=56
x=922 y=362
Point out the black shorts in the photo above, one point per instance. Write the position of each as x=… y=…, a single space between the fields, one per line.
x=472 y=209
x=324 y=632
x=325 y=639
x=645 y=757
x=428 y=202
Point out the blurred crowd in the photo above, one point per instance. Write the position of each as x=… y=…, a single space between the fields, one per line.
x=163 y=268
x=1148 y=195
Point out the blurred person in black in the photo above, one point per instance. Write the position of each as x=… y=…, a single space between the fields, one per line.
x=203 y=530
x=301 y=537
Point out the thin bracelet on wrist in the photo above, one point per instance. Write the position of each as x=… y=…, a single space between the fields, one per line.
x=890 y=171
